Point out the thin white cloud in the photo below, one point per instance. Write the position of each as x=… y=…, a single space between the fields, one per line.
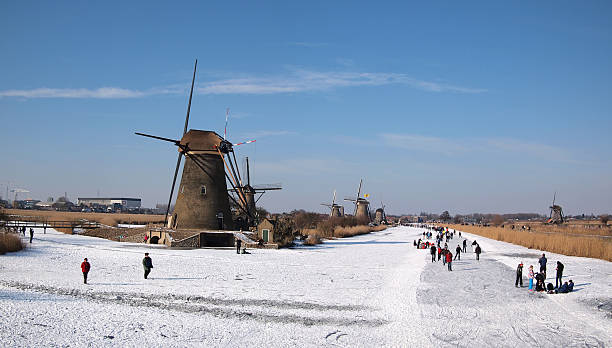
x=296 y=80
x=301 y=80
x=100 y=93
x=472 y=146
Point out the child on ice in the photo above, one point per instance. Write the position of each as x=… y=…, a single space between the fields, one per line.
x=531 y=275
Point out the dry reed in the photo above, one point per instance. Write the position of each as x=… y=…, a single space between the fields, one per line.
x=10 y=242
x=109 y=219
x=599 y=247
x=350 y=231
x=313 y=239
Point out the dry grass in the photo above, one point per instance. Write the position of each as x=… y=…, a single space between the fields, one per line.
x=313 y=239
x=339 y=227
x=342 y=232
x=573 y=227
x=555 y=239
x=103 y=218
x=133 y=235
x=10 y=242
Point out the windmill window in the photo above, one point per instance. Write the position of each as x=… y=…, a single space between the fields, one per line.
x=203 y=190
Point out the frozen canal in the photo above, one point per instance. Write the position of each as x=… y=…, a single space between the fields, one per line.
x=370 y=290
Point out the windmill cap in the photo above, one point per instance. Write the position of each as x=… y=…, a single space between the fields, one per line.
x=201 y=140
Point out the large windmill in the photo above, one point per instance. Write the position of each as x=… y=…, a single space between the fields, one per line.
x=556 y=212
x=335 y=210
x=249 y=191
x=202 y=201
x=362 y=205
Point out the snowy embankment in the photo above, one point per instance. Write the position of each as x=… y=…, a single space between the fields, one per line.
x=369 y=290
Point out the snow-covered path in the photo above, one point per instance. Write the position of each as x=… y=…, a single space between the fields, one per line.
x=370 y=290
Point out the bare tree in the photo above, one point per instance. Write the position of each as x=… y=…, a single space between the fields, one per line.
x=445 y=216
x=497 y=219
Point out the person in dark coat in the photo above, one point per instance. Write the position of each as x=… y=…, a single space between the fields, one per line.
x=31 y=234
x=449 y=260
x=465 y=245
x=458 y=252
x=542 y=262
x=540 y=282
x=85 y=267
x=147 y=264
x=433 y=253
x=563 y=289
x=559 y=274
x=238 y=245
x=570 y=286
x=519 y=275
x=478 y=251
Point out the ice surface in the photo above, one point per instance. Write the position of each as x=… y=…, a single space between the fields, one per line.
x=369 y=290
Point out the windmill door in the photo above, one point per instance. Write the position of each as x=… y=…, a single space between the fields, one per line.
x=265 y=234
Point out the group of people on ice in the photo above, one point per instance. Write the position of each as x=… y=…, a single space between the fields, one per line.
x=537 y=281
x=539 y=278
x=444 y=253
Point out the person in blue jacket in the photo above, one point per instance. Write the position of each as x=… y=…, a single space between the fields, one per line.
x=542 y=262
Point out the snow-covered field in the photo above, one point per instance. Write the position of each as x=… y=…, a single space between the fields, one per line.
x=370 y=290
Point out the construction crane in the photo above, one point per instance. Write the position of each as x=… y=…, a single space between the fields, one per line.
x=18 y=191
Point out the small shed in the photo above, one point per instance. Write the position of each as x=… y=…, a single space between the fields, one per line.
x=265 y=230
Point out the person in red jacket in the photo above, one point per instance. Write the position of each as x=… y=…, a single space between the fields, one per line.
x=449 y=259
x=85 y=266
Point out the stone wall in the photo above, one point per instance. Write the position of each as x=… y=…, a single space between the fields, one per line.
x=190 y=242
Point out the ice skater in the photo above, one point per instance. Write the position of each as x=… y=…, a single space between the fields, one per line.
x=238 y=245
x=478 y=251
x=433 y=253
x=31 y=234
x=449 y=260
x=558 y=281
x=531 y=276
x=85 y=267
x=458 y=253
x=542 y=262
x=519 y=275
x=464 y=245
x=147 y=264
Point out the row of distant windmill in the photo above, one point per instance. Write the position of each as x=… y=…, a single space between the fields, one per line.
x=203 y=199
x=362 y=207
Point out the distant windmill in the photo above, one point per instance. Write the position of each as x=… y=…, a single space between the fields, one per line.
x=380 y=216
x=250 y=192
x=335 y=210
x=362 y=205
x=556 y=212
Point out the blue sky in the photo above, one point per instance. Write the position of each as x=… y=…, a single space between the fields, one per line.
x=459 y=106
